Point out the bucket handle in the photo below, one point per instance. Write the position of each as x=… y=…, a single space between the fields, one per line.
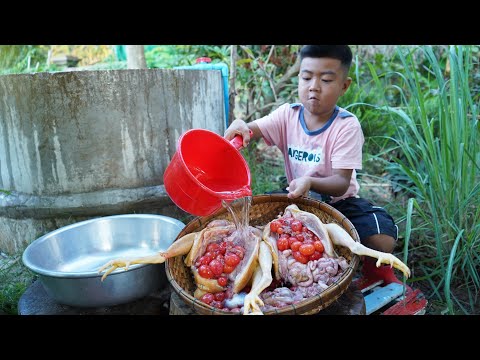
x=237 y=141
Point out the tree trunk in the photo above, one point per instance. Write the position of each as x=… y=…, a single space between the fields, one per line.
x=136 y=57
x=233 y=76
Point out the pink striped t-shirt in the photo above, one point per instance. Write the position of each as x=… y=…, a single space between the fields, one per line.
x=337 y=145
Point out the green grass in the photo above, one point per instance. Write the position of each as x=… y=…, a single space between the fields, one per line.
x=15 y=278
x=439 y=145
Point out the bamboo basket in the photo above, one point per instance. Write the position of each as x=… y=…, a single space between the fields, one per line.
x=264 y=209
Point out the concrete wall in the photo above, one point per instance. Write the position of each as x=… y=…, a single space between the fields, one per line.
x=74 y=145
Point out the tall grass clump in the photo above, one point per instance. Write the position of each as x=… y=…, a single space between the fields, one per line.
x=14 y=281
x=438 y=139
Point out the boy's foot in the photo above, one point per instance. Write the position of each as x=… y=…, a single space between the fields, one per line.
x=371 y=275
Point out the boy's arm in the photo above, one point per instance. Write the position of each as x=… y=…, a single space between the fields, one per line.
x=240 y=127
x=335 y=185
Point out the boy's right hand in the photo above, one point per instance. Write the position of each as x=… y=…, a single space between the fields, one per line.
x=299 y=187
x=238 y=127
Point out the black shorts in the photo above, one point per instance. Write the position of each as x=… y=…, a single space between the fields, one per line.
x=367 y=219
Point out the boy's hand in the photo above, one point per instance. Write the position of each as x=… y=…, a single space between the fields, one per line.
x=238 y=127
x=299 y=187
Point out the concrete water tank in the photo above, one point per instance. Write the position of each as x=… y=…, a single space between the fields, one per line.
x=75 y=145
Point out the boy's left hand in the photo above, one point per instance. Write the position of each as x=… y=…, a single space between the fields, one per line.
x=299 y=187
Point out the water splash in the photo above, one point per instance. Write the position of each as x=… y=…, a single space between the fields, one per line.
x=239 y=209
x=232 y=194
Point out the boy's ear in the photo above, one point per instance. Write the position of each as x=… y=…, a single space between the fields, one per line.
x=346 y=84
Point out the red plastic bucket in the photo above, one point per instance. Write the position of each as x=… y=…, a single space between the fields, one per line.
x=205 y=170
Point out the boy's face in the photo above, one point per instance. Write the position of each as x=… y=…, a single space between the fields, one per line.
x=321 y=82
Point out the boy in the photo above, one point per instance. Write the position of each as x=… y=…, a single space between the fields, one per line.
x=322 y=146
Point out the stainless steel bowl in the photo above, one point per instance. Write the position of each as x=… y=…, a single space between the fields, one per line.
x=67 y=259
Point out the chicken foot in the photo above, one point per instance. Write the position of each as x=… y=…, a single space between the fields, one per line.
x=340 y=237
x=180 y=247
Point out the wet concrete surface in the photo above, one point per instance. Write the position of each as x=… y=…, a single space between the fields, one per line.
x=36 y=301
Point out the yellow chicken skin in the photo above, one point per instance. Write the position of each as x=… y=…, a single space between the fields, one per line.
x=180 y=247
x=329 y=234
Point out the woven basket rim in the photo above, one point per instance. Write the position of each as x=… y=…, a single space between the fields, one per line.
x=313 y=304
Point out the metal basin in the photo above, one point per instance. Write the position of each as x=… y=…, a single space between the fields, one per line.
x=67 y=260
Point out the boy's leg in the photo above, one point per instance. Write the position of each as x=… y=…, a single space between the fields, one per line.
x=377 y=230
x=375 y=227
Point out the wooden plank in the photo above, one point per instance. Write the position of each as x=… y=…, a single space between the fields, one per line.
x=413 y=303
x=382 y=296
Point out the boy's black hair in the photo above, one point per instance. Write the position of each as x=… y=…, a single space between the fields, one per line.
x=339 y=52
